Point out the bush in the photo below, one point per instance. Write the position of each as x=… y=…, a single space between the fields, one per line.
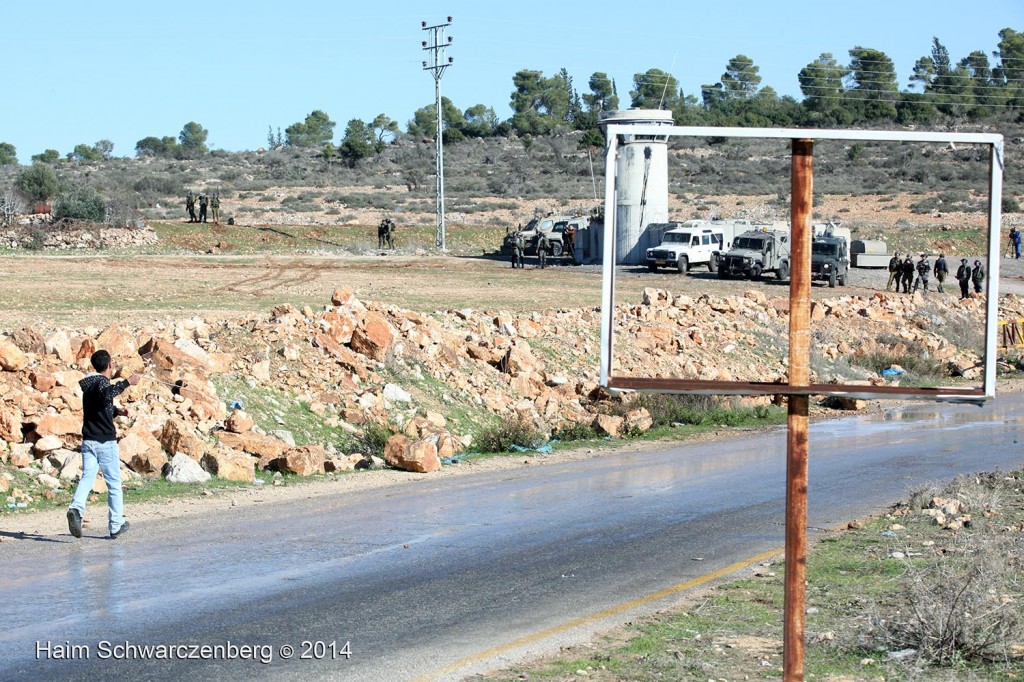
x=501 y=436
x=38 y=182
x=372 y=440
x=1010 y=205
x=81 y=203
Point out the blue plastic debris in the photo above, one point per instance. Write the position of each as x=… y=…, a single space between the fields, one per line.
x=236 y=405
x=888 y=534
x=893 y=372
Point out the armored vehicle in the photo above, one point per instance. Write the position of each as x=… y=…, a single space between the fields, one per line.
x=830 y=260
x=554 y=226
x=755 y=253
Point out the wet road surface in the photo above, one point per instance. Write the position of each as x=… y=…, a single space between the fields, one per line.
x=437 y=580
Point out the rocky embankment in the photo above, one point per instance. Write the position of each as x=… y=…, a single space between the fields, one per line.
x=362 y=365
x=41 y=235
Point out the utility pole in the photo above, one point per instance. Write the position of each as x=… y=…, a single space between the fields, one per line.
x=436 y=63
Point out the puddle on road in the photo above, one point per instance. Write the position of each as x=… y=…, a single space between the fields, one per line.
x=908 y=418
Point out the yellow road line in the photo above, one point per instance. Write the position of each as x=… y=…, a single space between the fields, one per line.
x=600 y=615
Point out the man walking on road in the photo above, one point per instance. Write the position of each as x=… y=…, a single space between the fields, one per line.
x=99 y=444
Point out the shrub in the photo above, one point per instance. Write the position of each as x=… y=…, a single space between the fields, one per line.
x=38 y=182
x=371 y=440
x=81 y=203
x=1010 y=205
x=36 y=240
x=502 y=435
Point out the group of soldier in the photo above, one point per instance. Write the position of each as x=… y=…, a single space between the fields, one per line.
x=386 y=233
x=901 y=273
x=543 y=247
x=213 y=203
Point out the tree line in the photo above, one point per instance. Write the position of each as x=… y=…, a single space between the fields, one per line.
x=862 y=91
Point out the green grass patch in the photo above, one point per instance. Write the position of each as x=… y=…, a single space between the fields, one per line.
x=273 y=409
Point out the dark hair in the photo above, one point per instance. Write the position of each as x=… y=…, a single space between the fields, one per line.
x=100 y=360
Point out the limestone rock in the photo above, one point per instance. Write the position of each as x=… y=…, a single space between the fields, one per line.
x=253 y=443
x=230 y=465
x=239 y=422
x=374 y=338
x=149 y=462
x=177 y=437
x=638 y=420
x=411 y=455
x=62 y=424
x=29 y=340
x=607 y=424
x=137 y=441
x=396 y=393
x=184 y=469
x=59 y=344
x=12 y=358
x=304 y=461
x=47 y=444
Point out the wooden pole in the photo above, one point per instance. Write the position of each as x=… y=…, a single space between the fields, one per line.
x=799 y=375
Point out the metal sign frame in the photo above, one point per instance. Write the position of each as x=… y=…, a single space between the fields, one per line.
x=974 y=394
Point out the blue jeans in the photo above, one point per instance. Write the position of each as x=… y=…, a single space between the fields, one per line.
x=102 y=457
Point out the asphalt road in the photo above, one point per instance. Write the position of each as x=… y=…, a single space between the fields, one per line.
x=435 y=580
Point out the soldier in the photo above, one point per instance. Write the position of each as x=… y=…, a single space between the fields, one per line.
x=924 y=268
x=963 y=275
x=204 y=201
x=907 y=273
x=978 y=276
x=215 y=208
x=941 y=271
x=518 y=246
x=542 y=249
x=382 y=233
x=190 y=206
x=390 y=235
x=894 y=272
x=570 y=241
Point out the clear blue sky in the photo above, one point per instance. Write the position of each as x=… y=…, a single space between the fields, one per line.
x=77 y=72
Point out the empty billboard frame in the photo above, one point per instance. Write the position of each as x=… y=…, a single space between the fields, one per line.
x=618 y=134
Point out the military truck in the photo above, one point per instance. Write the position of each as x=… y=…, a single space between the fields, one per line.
x=554 y=226
x=757 y=252
x=695 y=242
x=830 y=260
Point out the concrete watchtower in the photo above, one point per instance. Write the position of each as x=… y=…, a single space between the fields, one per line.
x=641 y=183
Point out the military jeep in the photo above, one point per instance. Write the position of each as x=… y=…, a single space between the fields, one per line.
x=830 y=261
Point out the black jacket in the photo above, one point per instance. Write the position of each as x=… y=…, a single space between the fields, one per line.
x=98 y=407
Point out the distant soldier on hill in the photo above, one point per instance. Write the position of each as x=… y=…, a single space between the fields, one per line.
x=542 y=249
x=978 y=276
x=518 y=247
x=907 y=273
x=570 y=241
x=391 y=229
x=963 y=275
x=924 y=269
x=190 y=206
x=215 y=207
x=895 y=266
x=941 y=270
x=204 y=201
x=382 y=233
